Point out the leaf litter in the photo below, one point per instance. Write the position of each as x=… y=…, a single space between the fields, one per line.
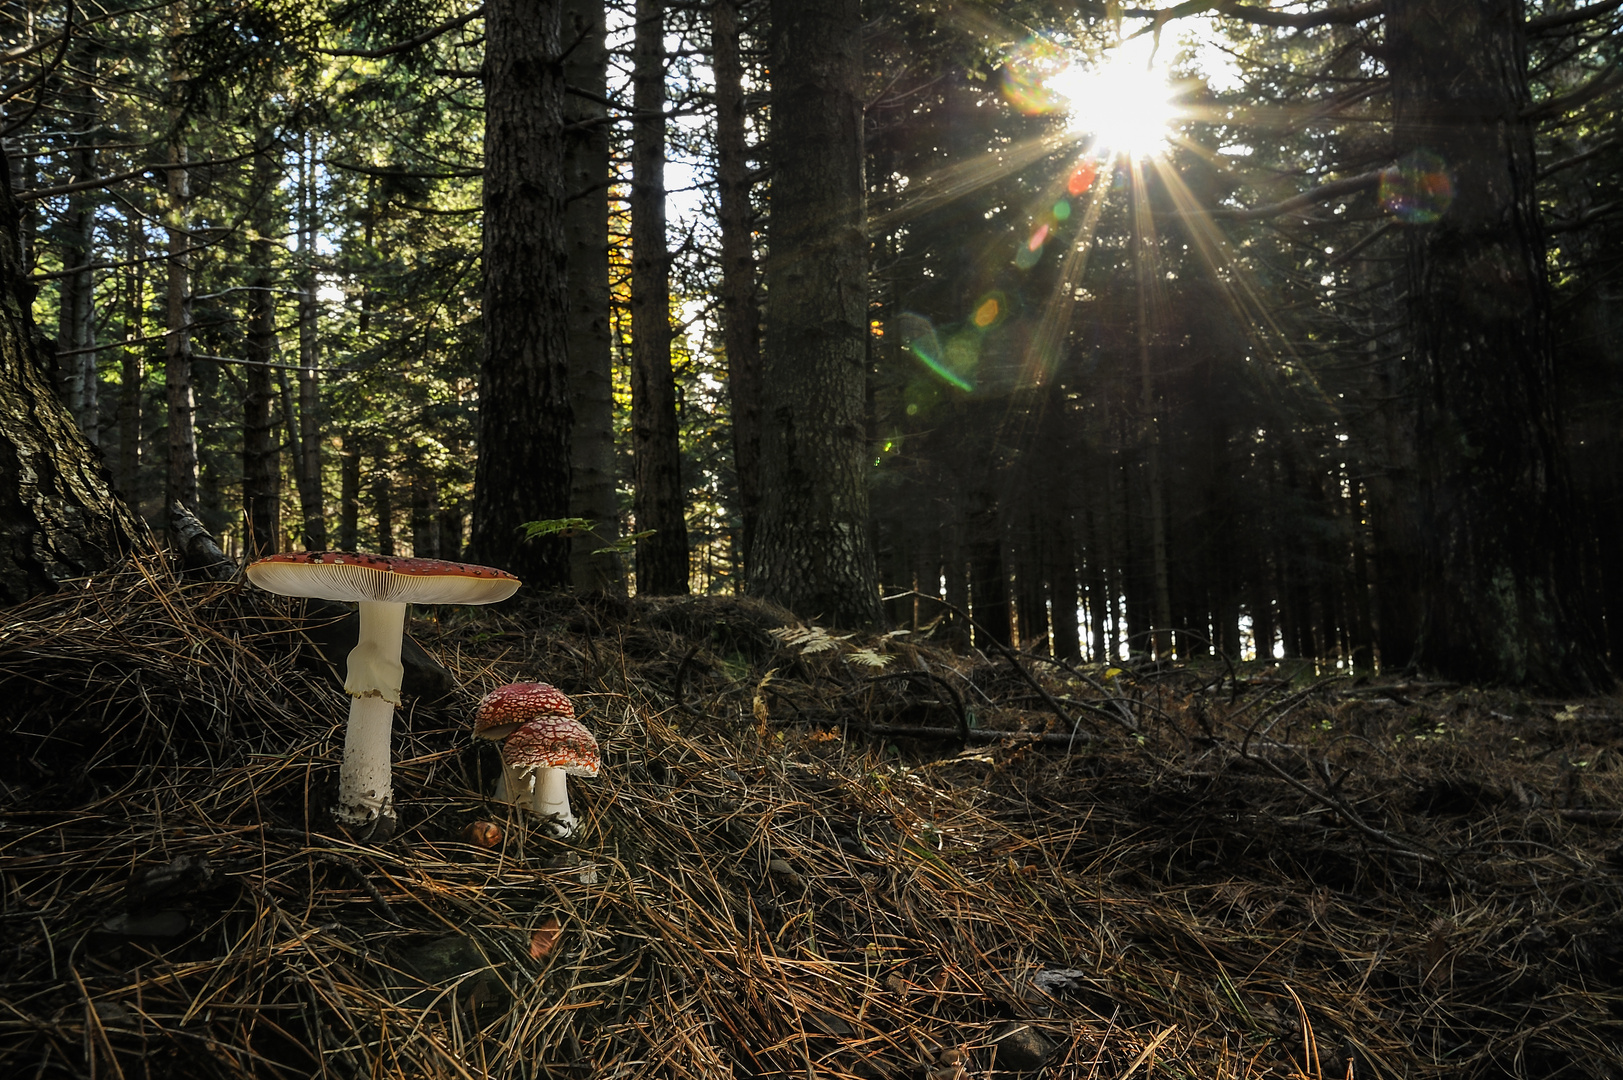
x=941 y=866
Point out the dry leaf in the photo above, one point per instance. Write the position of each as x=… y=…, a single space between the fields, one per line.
x=544 y=938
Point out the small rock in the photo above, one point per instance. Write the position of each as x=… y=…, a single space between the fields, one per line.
x=179 y=877
x=1020 y=1048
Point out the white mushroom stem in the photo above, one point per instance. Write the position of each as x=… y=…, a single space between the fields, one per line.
x=543 y=792
x=373 y=683
x=364 y=789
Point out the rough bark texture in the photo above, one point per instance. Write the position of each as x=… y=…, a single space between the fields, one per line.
x=740 y=304
x=593 y=565
x=59 y=517
x=813 y=552
x=1499 y=584
x=524 y=415
x=662 y=558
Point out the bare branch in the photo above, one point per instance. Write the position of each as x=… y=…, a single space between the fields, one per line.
x=1261 y=16
x=1559 y=19
x=1311 y=197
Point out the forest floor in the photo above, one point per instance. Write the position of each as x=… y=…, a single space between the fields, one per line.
x=808 y=856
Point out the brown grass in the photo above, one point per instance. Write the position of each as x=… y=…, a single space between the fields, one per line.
x=1193 y=873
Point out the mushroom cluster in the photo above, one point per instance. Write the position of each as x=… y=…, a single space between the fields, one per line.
x=542 y=745
x=382 y=586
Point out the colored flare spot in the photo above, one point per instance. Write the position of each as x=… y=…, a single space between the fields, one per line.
x=924 y=344
x=1062 y=211
x=1037 y=238
x=1081 y=178
x=986 y=314
x=1026 y=73
x=1417 y=190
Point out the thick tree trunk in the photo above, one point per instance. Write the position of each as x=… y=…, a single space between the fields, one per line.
x=662 y=557
x=1499 y=569
x=813 y=551
x=524 y=412
x=593 y=564
x=59 y=516
x=261 y=443
x=740 y=305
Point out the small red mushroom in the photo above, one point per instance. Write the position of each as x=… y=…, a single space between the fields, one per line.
x=544 y=744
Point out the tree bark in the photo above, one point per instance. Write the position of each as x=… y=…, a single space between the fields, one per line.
x=662 y=557
x=311 y=499
x=59 y=516
x=523 y=467
x=1499 y=575
x=594 y=566
x=181 y=403
x=261 y=443
x=813 y=552
x=76 y=309
x=349 y=494
x=740 y=305
x=132 y=367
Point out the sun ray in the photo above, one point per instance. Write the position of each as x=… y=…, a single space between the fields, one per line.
x=1231 y=276
x=944 y=185
x=1055 y=323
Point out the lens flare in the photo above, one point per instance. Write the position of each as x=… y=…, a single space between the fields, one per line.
x=1082 y=177
x=1026 y=77
x=987 y=312
x=952 y=363
x=1417 y=189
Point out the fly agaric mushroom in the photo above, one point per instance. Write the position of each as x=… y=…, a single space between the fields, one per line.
x=543 y=745
x=382 y=585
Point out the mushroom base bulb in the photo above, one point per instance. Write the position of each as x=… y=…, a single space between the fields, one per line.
x=364 y=793
x=545 y=793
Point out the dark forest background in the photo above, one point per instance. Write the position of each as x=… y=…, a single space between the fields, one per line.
x=822 y=303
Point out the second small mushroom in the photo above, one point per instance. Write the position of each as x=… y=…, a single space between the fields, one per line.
x=542 y=745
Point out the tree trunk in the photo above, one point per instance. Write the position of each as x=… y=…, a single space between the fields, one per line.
x=662 y=557
x=383 y=500
x=132 y=368
x=59 y=516
x=261 y=443
x=181 y=458
x=813 y=551
x=311 y=500
x=349 y=494
x=523 y=465
x=1499 y=574
x=591 y=363
x=740 y=306
x=76 y=310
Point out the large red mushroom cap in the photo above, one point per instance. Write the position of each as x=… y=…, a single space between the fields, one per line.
x=507 y=708
x=357 y=576
x=552 y=742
